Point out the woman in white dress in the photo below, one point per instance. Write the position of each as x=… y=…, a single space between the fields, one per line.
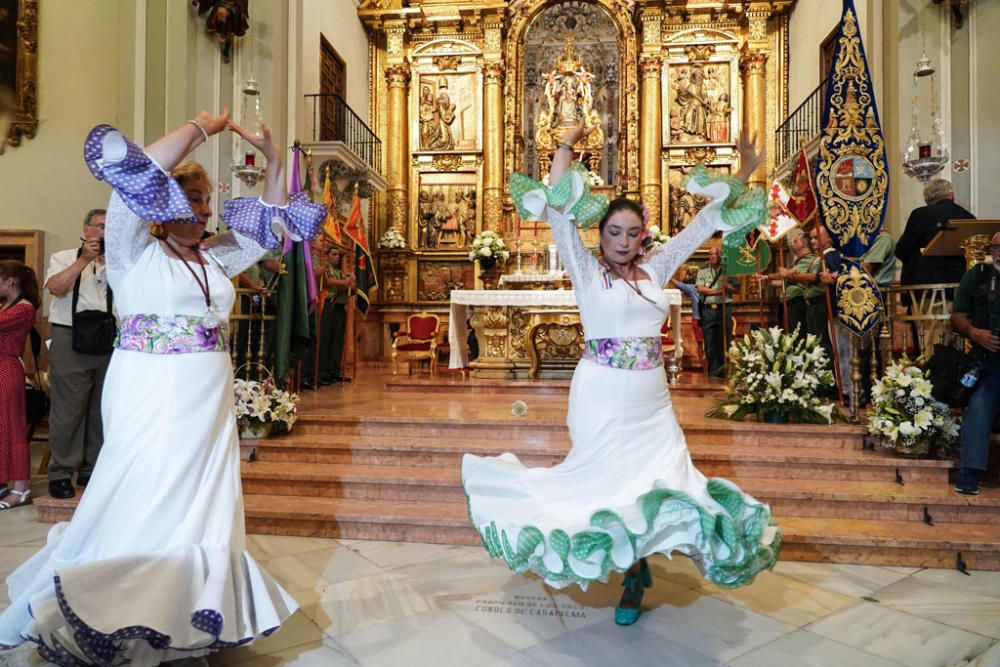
x=153 y=567
x=627 y=489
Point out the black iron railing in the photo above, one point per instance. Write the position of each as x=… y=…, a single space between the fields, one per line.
x=801 y=126
x=334 y=120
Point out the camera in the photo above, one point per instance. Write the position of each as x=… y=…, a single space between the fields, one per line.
x=101 y=241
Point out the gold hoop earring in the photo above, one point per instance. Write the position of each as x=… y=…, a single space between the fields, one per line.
x=157 y=231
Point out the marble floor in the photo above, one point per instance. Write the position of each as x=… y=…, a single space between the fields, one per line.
x=385 y=603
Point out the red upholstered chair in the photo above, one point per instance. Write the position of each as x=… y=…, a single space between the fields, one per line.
x=418 y=340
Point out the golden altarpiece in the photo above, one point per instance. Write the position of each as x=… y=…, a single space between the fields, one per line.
x=466 y=93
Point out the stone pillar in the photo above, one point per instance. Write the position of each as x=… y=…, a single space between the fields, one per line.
x=753 y=65
x=651 y=137
x=398 y=146
x=493 y=146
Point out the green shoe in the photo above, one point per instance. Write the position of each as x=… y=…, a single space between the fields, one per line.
x=644 y=573
x=628 y=610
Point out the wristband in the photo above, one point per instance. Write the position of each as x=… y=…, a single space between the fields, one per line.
x=200 y=128
x=564 y=146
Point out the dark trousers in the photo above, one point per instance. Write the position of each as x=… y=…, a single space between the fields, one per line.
x=76 y=432
x=818 y=324
x=977 y=422
x=717 y=333
x=331 y=344
x=797 y=315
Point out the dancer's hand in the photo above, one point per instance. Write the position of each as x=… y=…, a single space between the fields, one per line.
x=576 y=133
x=213 y=124
x=750 y=159
x=261 y=142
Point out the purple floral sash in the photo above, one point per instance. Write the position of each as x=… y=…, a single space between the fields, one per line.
x=171 y=334
x=635 y=354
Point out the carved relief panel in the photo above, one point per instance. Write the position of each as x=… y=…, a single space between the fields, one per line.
x=446 y=98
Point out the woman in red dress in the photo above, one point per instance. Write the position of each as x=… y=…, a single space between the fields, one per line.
x=19 y=302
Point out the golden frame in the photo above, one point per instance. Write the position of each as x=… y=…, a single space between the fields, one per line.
x=457 y=64
x=23 y=70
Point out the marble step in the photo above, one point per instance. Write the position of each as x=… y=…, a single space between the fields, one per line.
x=697 y=430
x=788 y=497
x=912 y=544
x=714 y=460
x=687 y=385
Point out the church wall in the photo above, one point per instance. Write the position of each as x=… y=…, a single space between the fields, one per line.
x=45 y=183
x=983 y=27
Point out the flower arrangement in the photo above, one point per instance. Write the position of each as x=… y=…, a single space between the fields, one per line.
x=392 y=240
x=777 y=375
x=263 y=406
x=654 y=238
x=904 y=415
x=488 y=248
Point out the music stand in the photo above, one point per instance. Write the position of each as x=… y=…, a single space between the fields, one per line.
x=950 y=240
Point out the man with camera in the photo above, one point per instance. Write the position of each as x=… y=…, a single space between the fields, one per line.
x=976 y=316
x=82 y=338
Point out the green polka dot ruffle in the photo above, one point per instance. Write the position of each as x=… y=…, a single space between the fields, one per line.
x=571 y=196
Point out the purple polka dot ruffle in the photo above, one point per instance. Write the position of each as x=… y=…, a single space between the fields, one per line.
x=261 y=222
x=145 y=188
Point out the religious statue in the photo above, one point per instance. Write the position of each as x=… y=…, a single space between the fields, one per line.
x=426 y=116
x=436 y=115
x=569 y=97
x=701 y=108
x=693 y=100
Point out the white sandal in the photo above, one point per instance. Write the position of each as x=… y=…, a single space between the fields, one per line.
x=25 y=497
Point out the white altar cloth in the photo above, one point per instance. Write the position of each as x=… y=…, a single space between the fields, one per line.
x=461 y=300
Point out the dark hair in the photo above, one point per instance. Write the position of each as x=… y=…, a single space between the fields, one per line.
x=92 y=213
x=25 y=277
x=622 y=204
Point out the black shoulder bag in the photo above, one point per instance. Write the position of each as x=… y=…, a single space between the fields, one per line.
x=94 y=331
x=35 y=401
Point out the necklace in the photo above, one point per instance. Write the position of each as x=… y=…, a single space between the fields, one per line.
x=211 y=318
x=634 y=286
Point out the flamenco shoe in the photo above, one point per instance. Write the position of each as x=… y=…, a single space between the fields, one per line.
x=24 y=498
x=644 y=574
x=628 y=610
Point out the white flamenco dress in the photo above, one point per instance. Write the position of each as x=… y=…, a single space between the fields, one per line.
x=153 y=565
x=627 y=489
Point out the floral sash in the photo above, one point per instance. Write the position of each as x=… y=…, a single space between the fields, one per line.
x=634 y=354
x=171 y=334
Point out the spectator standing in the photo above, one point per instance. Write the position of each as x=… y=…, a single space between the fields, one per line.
x=716 y=298
x=19 y=302
x=77 y=281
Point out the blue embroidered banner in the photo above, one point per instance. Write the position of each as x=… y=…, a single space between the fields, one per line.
x=852 y=180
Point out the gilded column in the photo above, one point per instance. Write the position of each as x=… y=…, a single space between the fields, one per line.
x=753 y=65
x=397 y=168
x=493 y=146
x=651 y=137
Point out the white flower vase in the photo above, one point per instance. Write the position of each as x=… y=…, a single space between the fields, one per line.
x=251 y=429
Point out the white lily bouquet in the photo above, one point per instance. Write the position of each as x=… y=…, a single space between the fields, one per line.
x=488 y=248
x=392 y=240
x=654 y=238
x=262 y=408
x=776 y=376
x=905 y=416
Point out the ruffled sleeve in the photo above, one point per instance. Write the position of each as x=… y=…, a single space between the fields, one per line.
x=235 y=253
x=731 y=209
x=569 y=201
x=143 y=185
x=266 y=224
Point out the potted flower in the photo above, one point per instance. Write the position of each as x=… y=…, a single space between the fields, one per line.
x=654 y=238
x=904 y=415
x=262 y=408
x=489 y=250
x=777 y=375
x=392 y=240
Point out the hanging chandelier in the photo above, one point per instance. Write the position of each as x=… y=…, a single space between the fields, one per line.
x=925 y=157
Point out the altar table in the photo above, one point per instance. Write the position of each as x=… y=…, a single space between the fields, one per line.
x=502 y=318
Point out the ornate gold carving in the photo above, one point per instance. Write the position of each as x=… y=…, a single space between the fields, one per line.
x=754 y=62
x=652 y=198
x=519 y=321
x=493 y=209
x=394 y=41
x=493 y=74
x=447 y=162
x=700 y=155
x=24 y=62
x=651 y=21
x=492 y=37
x=445 y=63
x=557 y=344
x=392 y=269
x=397 y=210
x=757 y=30
x=651 y=66
x=397 y=76
x=697 y=52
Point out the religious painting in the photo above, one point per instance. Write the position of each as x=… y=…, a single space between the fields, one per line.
x=18 y=69
x=436 y=280
x=699 y=103
x=446 y=210
x=447 y=112
x=682 y=205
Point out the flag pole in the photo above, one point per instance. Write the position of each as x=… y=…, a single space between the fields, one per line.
x=784 y=297
x=833 y=344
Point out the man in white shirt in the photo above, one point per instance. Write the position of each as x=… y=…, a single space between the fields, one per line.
x=75 y=429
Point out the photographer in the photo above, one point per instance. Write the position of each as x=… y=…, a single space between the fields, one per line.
x=77 y=281
x=977 y=317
